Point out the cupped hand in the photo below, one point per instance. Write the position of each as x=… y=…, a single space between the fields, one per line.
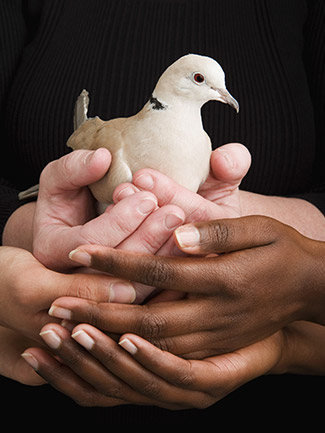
x=218 y=197
x=12 y=365
x=27 y=289
x=65 y=213
x=261 y=276
x=97 y=371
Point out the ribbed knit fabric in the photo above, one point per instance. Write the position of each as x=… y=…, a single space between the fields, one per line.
x=272 y=52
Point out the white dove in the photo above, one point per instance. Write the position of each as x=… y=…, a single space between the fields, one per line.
x=166 y=135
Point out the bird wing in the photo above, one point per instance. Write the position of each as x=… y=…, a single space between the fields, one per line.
x=96 y=133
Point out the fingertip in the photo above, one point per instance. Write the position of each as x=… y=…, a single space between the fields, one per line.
x=231 y=162
x=187 y=238
x=124 y=190
x=128 y=345
x=99 y=160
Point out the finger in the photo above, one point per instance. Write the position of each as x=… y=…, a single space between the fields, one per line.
x=116 y=360
x=167 y=191
x=178 y=273
x=217 y=375
x=180 y=371
x=153 y=233
x=65 y=380
x=225 y=236
x=191 y=274
x=79 y=360
x=95 y=358
x=75 y=170
x=124 y=190
x=154 y=322
x=155 y=230
x=230 y=162
x=96 y=287
x=120 y=221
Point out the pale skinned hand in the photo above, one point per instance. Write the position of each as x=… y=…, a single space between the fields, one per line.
x=218 y=197
x=268 y=275
x=11 y=363
x=27 y=289
x=65 y=212
x=99 y=372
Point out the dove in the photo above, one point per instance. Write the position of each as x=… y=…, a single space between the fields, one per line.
x=167 y=134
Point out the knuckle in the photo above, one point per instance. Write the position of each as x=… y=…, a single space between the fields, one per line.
x=152 y=326
x=81 y=288
x=113 y=391
x=111 y=357
x=151 y=242
x=92 y=316
x=218 y=232
x=184 y=379
x=158 y=273
x=75 y=359
x=152 y=389
x=164 y=344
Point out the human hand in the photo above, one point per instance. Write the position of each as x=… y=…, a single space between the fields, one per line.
x=265 y=276
x=27 y=289
x=12 y=365
x=218 y=197
x=106 y=375
x=65 y=213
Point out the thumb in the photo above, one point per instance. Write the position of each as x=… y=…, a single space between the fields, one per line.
x=230 y=163
x=224 y=236
x=75 y=170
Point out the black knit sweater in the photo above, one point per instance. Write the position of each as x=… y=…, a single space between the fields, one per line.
x=272 y=52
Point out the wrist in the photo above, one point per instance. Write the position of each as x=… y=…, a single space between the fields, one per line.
x=18 y=231
x=302 y=350
x=316 y=282
x=297 y=213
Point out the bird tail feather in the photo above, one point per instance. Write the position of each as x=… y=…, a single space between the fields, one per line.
x=81 y=109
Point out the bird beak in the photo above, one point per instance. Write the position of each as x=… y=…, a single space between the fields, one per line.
x=225 y=97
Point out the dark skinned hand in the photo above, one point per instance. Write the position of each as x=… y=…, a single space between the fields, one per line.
x=249 y=278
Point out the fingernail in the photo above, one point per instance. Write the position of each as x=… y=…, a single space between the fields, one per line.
x=125 y=192
x=147 y=205
x=128 y=346
x=81 y=257
x=122 y=292
x=187 y=236
x=84 y=339
x=59 y=312
x=30 y=359
x=145 y=181
x=95 y=153
x=68 y=325
x=172 y=221
x=51 y=338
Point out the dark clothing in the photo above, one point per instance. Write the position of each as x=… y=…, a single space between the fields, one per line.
x=272 y=52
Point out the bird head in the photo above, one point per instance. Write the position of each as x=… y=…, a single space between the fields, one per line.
x=196 y=78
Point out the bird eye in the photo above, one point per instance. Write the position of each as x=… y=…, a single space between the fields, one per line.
x=198 y=78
